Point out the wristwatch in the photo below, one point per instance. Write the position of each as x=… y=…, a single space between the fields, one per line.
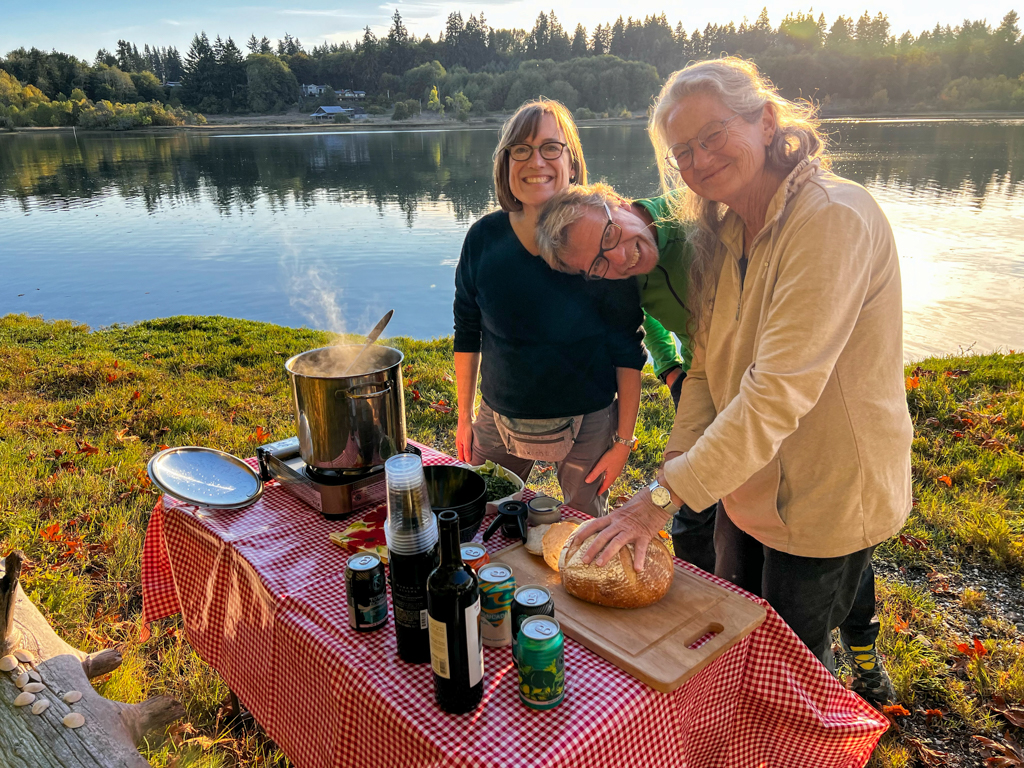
x=661 y=496
x=630 y=442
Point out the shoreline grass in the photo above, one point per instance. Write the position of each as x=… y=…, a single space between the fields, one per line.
x=82 y=411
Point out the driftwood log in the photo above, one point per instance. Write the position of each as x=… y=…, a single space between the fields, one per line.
x=112 y=730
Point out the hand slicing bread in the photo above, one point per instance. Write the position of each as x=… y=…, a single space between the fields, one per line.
x=616 y=584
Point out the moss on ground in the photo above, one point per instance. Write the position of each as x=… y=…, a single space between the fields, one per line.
x=81 y=412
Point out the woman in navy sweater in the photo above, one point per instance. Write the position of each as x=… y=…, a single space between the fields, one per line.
x=558 y=357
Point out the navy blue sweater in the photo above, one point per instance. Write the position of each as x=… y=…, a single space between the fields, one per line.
x=549 y=342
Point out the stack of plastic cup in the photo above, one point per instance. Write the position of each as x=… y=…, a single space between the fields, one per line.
x=411 y=526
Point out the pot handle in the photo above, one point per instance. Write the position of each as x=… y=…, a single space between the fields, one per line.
x=367 y=396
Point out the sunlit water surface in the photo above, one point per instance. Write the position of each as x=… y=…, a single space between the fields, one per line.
x=331 y=230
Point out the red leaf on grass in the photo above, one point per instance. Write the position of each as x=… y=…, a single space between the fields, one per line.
x=440 y=406
x=416 y=394
x=913 y=382
x=88 y=450
x=260 y=435
x=51 y=533
x=945 y=479
x=136 y=395
x=901 y=625
x=933 y=714
x=913 y=542
x=163 y=447
x=973 y=650
x=895 y=710
x=111 y=378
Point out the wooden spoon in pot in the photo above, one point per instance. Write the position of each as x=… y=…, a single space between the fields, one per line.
x=371 y=337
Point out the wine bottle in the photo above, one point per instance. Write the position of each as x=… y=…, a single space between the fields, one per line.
x=453 y=615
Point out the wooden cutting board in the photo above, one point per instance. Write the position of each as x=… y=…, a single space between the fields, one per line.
x=652 y=643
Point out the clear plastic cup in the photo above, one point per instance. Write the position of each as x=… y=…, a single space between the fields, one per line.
x=411 y=526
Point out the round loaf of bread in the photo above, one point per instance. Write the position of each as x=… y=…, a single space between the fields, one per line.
x=616 y=584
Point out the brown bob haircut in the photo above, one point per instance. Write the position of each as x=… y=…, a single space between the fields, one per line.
x=518 y=129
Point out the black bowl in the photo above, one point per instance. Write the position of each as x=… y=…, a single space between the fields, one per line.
x=461 y=490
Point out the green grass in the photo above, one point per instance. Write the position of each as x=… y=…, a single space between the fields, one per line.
x=81 y=412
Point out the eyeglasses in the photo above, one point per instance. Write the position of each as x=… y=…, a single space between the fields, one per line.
x=610 y=236
x=711 y=137
x=549 y=150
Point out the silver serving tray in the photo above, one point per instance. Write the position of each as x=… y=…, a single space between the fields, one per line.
x=205 y=477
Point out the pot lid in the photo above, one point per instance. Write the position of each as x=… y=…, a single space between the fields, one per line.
x=205 y=477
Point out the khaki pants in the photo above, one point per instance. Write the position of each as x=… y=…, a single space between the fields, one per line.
x=594 y=438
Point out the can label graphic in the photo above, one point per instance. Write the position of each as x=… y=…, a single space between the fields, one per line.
x=497 y=586
x=541 y=663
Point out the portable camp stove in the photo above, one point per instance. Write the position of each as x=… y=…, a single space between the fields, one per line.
x=333 y=493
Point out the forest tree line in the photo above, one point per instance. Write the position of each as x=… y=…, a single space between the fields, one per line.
x=849 y=65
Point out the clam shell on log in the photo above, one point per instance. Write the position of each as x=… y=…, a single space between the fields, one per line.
x=74 y=720
x=8 y=663
x=35 y=676
x=21 y=680
x=72 y=696
x=24 y=698
x=24 y=656
x=40 y=706
x=34 y=687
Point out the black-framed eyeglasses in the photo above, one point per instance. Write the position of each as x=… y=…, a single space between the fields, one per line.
x=711 y=137
x=610 y=237
x=549 y=150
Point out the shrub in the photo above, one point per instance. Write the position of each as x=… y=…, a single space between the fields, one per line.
x=343 y=119
x=401 y=112
x=583 y=114
x=413 y=106
x=373 y=109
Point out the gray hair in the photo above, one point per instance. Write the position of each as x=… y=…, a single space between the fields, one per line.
x=741 y=88
x=563 y=210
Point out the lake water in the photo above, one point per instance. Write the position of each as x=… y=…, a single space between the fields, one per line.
x=329 y=230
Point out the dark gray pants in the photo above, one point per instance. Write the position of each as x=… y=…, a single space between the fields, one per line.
x=814 y=595
x=594 y=438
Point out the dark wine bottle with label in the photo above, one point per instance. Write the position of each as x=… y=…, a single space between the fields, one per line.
x=453 y=608
x=408 y=577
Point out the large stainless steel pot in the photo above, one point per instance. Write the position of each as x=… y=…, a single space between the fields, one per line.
x=351 y=422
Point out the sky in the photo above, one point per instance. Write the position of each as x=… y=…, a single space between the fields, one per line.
x=81 y=27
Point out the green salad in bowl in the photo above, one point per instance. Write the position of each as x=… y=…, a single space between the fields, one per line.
x=502 y=484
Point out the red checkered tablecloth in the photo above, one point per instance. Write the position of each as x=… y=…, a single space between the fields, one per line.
x=262 y=592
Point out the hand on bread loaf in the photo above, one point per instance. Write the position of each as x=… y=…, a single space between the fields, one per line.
x=636 y=522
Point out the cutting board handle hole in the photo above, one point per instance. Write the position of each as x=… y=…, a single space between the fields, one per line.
x=706 y=636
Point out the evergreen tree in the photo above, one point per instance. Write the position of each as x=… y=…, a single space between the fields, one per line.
x=199 y=79
x=579 y=42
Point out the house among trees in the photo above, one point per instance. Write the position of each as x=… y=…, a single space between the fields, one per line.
x=328 y=113
x=314 y=90
x=348 y=93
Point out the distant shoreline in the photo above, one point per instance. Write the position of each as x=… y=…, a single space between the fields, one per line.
x=294 y=123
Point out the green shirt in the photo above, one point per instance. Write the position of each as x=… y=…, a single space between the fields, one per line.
x=664 y=289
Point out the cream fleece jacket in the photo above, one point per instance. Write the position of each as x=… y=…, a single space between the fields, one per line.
x=794 y=412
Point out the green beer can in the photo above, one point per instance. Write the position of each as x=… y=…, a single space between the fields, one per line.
x=540 y=648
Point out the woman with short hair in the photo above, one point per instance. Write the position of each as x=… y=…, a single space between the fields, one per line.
x=559 y=358
x=793 y=412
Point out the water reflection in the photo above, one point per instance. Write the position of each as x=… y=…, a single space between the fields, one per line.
x=332 y=229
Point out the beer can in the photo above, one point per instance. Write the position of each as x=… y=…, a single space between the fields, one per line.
x=541 y=663
x=367 y=593
x=528 y=600
x=474 y=555
x=497 y=585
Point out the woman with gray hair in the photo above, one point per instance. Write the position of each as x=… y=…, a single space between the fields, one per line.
x=793 y=412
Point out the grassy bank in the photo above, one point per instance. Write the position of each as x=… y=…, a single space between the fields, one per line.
x=81 y=412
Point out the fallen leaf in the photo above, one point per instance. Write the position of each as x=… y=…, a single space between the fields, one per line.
x=895 y=710
x=163 y=447
x=933 y=714
x=947 y=480
x=913 y=382
x=136 y=395
x=1014 y=714
x=111 y=378
x=88 y=450
x=440 y=407
x=663 y=534
x=51 y=533
x=901 y=625
x=928 y=755
x=416 y=394
x=123 y=436
x=913 y=542
x=1007 y=755
x=260 y=435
